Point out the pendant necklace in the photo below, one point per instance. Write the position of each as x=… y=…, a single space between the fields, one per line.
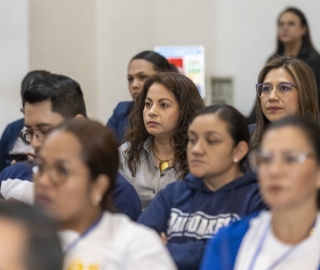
x=163 y=164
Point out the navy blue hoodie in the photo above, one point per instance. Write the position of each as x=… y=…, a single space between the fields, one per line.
x=189 y=213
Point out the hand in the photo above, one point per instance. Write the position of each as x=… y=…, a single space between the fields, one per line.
x=164 y=238
x=18 y=157
x=31 y=156
x=14 y=200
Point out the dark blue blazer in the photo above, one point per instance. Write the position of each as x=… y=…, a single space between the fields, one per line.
x=252 y=127
x=124 y=196
x=119 y=120
x=8 y=138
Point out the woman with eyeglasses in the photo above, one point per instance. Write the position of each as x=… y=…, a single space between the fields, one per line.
x=287 y=236
x=217 y=191
x=78 y=165
x=294 y=40
x=286 y=86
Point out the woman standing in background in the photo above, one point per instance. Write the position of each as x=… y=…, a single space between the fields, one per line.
x=294 y=40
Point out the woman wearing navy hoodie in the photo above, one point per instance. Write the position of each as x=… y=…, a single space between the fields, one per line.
x=217 y=191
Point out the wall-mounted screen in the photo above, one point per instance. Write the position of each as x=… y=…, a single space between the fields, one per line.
x=189 y=60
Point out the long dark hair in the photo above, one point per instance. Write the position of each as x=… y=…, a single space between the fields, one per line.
x=306 y=39
x=307 y=92
x=160 y=63
x=189 y=100
x=237 y=124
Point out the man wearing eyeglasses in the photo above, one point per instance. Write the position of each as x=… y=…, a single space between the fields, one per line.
x=12 y=145
x=47 y=104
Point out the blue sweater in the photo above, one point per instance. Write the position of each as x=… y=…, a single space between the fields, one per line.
x=189 y=213
x=16 y=179
x=119 y=120
x=8 y=138
x=221 y=252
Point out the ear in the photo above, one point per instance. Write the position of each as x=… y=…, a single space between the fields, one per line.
x=240 y=151
x=99 y=187
x=318 y=180
x=79 y=116
x=304 y=30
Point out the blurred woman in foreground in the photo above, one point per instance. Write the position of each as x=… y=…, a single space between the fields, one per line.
x=78 y=165
x=287 y=236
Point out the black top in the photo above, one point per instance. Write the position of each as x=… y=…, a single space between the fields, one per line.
x=311 y=57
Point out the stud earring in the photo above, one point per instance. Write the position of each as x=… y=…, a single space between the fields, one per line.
x=97 y=200
x=235 y=160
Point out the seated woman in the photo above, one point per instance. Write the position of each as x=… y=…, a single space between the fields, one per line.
x=286 y=86
x=141 y=67
x=78 y=165
x=287 y=236
x=217 y=191
x=155 y=152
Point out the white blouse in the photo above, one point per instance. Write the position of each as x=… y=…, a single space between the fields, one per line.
x=273 y=252
x=115 y=243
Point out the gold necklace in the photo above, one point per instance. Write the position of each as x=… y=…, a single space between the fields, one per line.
x=163 y=164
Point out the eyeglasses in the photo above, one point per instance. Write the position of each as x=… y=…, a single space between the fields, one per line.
x=39 y=134
x=282 y=89
x=260 y=160
x=57 y=174
x=24 y=137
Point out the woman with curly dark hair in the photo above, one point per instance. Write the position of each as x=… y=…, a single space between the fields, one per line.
x=140 y=68
x=155 y=152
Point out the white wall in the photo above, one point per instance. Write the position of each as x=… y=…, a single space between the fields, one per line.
x=92 y=41
x=13 y=57
x=245 y=36
x=63 y=40
x=124 y=28
x=238 y=37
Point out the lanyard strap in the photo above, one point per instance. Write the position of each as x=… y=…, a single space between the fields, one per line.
x=81 y=236
x=260 y=244
x=277 y=261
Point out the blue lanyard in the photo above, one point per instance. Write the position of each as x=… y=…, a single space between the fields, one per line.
x=276 y=262
x=81 y=236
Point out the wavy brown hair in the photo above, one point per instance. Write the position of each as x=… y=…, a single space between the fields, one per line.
x=307 y=93
x=189 y=100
